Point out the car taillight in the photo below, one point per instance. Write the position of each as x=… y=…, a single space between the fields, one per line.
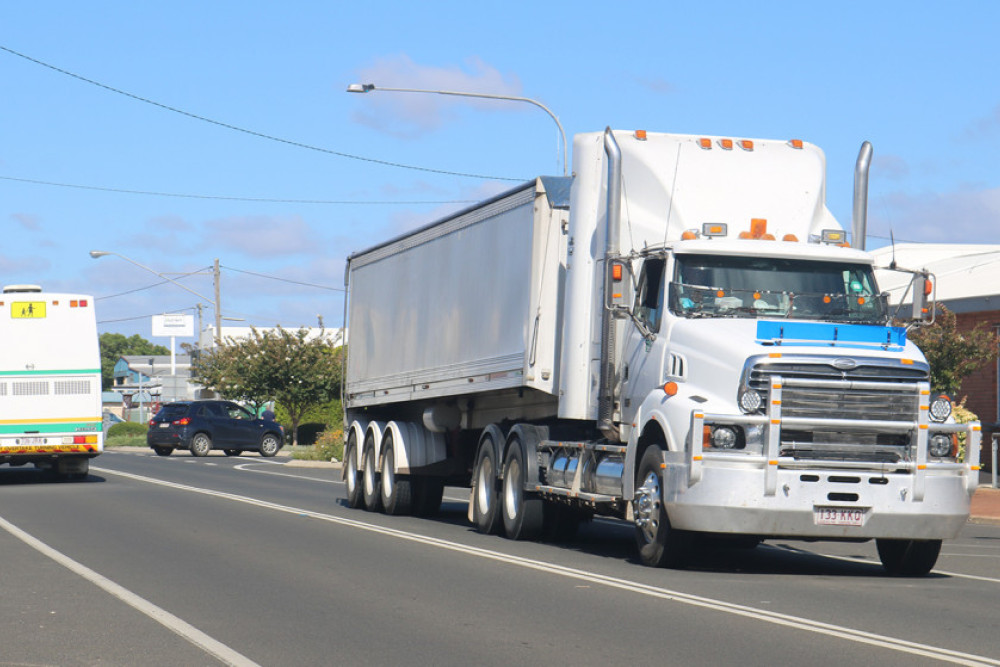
x=151 y=422
x=183 y=421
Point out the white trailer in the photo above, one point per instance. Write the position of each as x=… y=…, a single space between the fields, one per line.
x=50 y=381
x=678 y=336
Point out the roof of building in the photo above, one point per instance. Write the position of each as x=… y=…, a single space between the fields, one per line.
x=967 y=275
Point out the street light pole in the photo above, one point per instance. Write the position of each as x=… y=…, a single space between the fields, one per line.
x=369 y=87
x=97 y=254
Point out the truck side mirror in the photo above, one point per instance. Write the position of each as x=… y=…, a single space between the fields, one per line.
x=922 y=288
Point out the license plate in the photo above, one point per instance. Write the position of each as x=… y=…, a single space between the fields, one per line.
x=31 y=441
x=164 y=424
x=839 y=516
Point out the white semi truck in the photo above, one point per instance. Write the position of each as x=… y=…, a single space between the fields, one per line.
x=679 y=336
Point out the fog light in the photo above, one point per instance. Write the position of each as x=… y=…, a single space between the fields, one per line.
x=940 y=409
x=749 y=401
x=723 y=437
x=940 y=445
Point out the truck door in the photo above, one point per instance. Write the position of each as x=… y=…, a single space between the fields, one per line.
x=643 y=350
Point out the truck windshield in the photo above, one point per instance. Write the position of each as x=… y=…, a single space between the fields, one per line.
x=730 y=286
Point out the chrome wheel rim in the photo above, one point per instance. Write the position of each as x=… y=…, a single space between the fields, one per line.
x=647 y=507
x=484 y=486
x=511 y=486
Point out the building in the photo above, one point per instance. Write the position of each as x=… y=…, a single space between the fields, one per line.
x=967 y=279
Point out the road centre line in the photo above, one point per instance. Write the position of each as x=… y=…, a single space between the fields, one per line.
x=764 y=615
x=158 y=614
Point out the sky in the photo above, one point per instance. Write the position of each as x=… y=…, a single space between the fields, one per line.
x=177 y=134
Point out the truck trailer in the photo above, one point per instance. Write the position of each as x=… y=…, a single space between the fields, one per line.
x=678 y=335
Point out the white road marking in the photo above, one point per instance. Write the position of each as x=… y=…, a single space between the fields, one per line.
x=161 y=616
x=754 y=613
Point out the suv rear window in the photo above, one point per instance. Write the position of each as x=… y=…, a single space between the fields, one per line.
x=172 y=412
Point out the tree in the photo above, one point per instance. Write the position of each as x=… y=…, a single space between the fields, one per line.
x=275 y=365
x=954 y=354
x=114 y=346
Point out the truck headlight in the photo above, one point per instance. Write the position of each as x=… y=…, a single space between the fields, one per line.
x=940 y=408
x=750 y=401
x=940 y=446
x=724 y=437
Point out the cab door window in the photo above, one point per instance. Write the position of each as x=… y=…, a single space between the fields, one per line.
x=649 y=295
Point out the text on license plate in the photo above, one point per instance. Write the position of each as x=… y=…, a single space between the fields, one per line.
x=164 y=424
x=839 y=516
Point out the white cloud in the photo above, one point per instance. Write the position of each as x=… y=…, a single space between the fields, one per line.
x=26 y=220
x=985 y=126
x=412 y=114
x=964 y=216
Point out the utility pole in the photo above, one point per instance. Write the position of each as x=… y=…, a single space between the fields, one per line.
x=218 y=306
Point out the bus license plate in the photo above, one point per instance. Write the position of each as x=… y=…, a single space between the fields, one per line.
x=839 y=516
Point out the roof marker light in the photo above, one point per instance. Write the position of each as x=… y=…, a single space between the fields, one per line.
x=726 y=144
x=746 y=145
x=796 y=143
x=689 y=235
x=705 y=143
x=714 y=229
x=790 y=237
x=833 y=236
x=640 y=135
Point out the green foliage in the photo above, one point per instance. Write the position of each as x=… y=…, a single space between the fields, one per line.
x=962 y=415
x=954 y=354
x=114 y=346
x=329 y=446
x=283 y=366
x=128 y=429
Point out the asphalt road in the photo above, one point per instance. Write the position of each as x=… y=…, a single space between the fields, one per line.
x=184 y=561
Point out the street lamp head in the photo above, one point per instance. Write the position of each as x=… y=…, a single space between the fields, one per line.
x=360 y=87
x=97 y=254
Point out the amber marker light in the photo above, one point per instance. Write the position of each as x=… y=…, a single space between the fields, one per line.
x=726 y=144
x=640 y=135
x=705 y=143
x=670 y=388
x=746 y=145
x=796 y=143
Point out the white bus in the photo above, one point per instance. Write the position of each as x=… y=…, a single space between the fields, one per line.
x=50 y=381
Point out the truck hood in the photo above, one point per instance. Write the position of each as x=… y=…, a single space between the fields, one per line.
x=715 y=350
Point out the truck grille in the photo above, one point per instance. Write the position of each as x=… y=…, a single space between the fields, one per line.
x=844 y=401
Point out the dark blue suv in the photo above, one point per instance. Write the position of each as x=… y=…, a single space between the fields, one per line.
x=201 y=426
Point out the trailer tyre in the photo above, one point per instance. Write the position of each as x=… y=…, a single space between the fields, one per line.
x=659 y=544
x=485 y=498
x=397 y=493
x=523 y=513
x=371 y=485
x=352 y=475
x=428 y=492
x=908 y=558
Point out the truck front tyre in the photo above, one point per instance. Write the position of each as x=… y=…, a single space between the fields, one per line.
x=908 y=558
x=352 y=476
x=523 y=513
x=396 y=493
x=371 y=486
x=659 y=544
x=485 y=499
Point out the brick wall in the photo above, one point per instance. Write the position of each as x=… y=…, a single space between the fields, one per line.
x=981 y=386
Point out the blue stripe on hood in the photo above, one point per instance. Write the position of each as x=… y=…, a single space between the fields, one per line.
x=828 y=333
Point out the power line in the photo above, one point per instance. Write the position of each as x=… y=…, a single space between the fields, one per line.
x=253 y=133
x=147 y=287
x=344 y=202
x=285 y=280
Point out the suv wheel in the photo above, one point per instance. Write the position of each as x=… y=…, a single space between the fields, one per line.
x=201 y=445
x=269 y=445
